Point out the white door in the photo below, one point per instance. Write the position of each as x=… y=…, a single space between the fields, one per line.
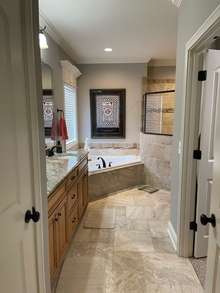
x=205 y=165
x=213 y=265
x=18 y=265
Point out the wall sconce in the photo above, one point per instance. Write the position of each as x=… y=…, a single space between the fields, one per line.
x=43 y=39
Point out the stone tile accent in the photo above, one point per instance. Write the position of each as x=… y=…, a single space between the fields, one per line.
x=107 y=182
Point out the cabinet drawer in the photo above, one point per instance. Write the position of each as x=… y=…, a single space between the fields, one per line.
x=71 y=178
x=72 y=197
x=72 y=221
x=56 y=197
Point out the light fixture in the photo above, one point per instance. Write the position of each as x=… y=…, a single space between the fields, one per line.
x=43 y=39
x=108 y=49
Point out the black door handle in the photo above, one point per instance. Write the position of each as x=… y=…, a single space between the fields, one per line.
x=205 y=220
x=32 y=215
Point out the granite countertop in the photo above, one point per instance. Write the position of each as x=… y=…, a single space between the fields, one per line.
x=60 y=165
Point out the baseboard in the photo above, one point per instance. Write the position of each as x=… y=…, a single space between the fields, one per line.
x=172 y=235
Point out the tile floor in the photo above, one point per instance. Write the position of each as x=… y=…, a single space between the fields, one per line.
x=135 y=256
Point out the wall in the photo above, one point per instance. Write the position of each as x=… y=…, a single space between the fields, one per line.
x=127 y=76
x=191 y=16
x=156 y=149
x=52 y=56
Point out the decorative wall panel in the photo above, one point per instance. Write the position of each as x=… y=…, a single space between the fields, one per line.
x=107 y=113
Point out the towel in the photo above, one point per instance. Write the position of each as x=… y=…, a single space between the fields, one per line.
x=63 y=129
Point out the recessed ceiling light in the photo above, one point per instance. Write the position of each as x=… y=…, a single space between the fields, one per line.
x=108 y=49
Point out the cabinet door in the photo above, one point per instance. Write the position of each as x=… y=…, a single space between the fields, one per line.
x=80 y=197
x=72 y=221
x=52 y=245
x=85 y=189
x=61 y=229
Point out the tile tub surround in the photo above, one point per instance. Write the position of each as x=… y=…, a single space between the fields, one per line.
x=103 y=183
x=155 y=152
x=134 y=257
x=60 y=165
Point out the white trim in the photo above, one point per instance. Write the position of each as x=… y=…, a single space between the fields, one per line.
x=33 y=82
x=56 y=36
x=172 y=234
x=186 y=198
x=66 y=65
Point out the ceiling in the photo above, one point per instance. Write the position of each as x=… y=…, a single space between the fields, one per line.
x=136 y=30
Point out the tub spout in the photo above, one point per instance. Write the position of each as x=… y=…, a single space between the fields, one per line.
x=103 y=162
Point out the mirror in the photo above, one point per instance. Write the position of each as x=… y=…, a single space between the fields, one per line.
x=48 y=99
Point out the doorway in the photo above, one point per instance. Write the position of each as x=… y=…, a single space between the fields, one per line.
x=201 y=85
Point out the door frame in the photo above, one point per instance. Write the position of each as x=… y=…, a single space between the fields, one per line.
x=31 y=51
x=194 y=51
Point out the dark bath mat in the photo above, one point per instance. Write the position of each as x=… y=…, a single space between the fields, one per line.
x=148 y=188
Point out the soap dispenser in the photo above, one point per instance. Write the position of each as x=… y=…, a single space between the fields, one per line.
x=59 y=147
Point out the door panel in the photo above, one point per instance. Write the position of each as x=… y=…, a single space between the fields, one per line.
x=213 y=265
x=18 y=270
x=205 y=165
x=61 y=232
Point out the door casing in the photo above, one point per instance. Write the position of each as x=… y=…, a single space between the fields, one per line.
x=34 y=108
x=194 y=54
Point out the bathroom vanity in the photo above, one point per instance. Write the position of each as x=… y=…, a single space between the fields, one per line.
x=67 y=184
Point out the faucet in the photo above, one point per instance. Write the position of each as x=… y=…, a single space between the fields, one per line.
x=50 y=152
x=103 y=162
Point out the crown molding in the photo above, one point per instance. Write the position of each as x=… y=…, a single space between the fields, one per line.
x=66 y=65
x=56 y=36
x=177 y=3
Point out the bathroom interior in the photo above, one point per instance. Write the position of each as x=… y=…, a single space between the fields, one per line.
x=108 y=144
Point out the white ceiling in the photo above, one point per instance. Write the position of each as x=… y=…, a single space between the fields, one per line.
x=137 y=30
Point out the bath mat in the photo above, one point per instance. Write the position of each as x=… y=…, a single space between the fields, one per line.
x=148 y=188
x=100 y=219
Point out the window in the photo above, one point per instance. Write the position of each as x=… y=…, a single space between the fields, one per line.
x=70 y=109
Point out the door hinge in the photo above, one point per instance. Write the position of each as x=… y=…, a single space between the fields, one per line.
x=202 y=75
x=193 y=226
x=197 y=154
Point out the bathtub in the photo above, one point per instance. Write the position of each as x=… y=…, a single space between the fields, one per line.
x=112 y=162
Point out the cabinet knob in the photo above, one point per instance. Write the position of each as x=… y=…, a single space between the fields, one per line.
x=73 y=196
x=59 y=214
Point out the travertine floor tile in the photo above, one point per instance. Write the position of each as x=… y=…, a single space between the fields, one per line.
x=136 y=256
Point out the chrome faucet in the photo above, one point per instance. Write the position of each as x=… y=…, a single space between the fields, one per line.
x=103 y=162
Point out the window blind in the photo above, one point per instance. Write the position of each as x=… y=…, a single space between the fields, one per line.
x=70 y=105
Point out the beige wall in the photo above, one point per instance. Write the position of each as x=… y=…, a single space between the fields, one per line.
x=128 y=76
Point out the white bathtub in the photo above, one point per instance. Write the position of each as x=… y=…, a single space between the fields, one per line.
x=116 y=161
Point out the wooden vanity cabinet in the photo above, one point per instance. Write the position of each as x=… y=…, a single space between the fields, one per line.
x=65 y=208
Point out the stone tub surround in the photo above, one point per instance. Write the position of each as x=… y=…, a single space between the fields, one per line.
x=156 y=153
x=110 y=145
x=134 y=257
x=113 y=180
x=60 y=165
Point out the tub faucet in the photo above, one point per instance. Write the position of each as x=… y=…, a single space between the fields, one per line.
x=103 y=162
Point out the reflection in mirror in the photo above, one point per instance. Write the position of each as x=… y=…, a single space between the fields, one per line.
x=48 y=100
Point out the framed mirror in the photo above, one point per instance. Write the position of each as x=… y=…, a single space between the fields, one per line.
x=48 y=99
x=158 y=112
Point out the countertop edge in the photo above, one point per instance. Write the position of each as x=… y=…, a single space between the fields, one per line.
x=50 y=193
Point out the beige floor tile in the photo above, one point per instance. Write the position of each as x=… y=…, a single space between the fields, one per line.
x=134 y=257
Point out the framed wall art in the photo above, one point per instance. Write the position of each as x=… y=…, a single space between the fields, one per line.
x=108 y=113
